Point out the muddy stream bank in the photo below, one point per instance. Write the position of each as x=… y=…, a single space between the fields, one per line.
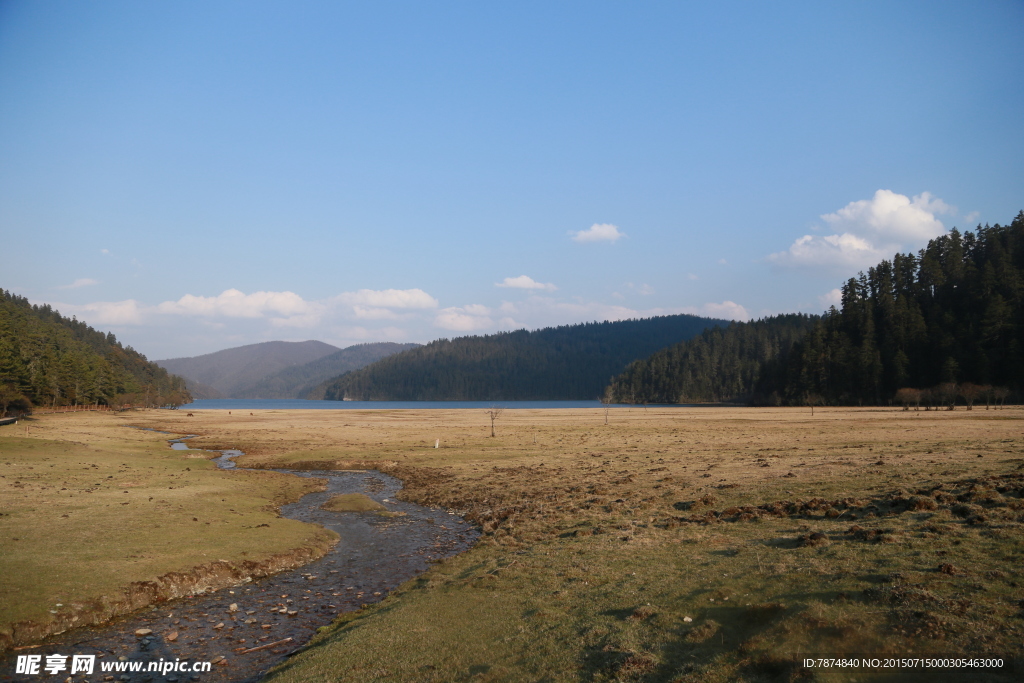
x=376 y=553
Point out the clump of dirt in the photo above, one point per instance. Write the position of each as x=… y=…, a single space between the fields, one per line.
x=764 y=612
x=706 y=630
x=813 y=540
x=871 y=535
x=641 y=613
x=636 y=666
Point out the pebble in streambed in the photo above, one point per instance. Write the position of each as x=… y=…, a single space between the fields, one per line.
x=375 y=554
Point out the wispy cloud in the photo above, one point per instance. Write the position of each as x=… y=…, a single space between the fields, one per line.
x=232 y=303
x=727 y=310
x=388 y=298
x=127 y=312
x=598 y=232
x=469 y=318
x=868 y=230
x=525 y=282
x=281 y=309
x=80 y=282
x=831 y=298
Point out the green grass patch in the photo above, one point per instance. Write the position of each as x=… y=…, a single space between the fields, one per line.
x=352 y=502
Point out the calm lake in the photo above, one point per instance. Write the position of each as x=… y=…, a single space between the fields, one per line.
x=300 y=404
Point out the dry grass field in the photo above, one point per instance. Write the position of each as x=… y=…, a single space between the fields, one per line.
x=676 y=544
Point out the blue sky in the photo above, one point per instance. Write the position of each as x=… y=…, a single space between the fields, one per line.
x=194 y=176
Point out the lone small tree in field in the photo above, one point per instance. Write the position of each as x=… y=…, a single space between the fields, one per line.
x=813 y=400
x=607 y=401
x=494 y=413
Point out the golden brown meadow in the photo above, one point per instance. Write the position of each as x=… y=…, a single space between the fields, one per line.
x=673 y=543
x=775 y=532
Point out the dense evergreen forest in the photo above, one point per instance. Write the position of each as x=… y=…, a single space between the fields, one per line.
x=951 y=315
x=944 y=324
x=719 y=364
x=49 y=360
x=555 y=363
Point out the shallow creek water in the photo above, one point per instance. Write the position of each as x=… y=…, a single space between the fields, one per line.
x=376 y=553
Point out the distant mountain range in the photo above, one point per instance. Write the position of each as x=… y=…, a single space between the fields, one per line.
x=274 y=369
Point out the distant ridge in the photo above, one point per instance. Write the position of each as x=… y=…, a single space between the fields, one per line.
x=299 y=381
x=230 y=370
x=555 y=363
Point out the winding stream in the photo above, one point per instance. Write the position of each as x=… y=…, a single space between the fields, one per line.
x=376 y=553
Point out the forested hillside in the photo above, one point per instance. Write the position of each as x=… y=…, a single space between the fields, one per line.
x=49 y=360
x=719 y=364
x=952 y=314
x=945 y=322
x=568 y=362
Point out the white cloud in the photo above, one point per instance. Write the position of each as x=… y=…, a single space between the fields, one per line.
x=832 y=298
x=80 y=282
x=727 y=310
x=892 y=217
x=867 y=231
x=104 y=251
x=308 y=320
x=722 y=261
x=464 y=319
x=843 y=250
x=476 y=309
x=525 y=282
x=542 y=311
x=598 y=232
x=373 y=313
x=232 y=303
x=691 y=276
x=971 y=217
x=389 y=298
x=127 y=312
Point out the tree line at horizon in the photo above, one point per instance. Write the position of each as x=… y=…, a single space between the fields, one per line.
x=947 y=322
x=47 y=360
x=555 y=363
